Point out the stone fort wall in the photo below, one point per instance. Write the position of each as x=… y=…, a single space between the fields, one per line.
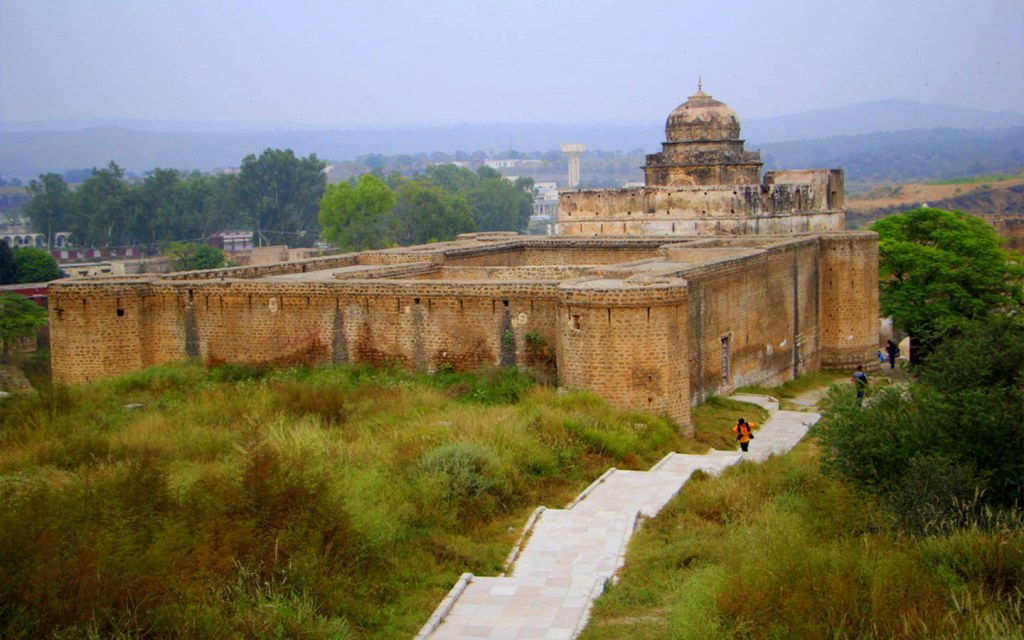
x=799 y=201
x=649 y=326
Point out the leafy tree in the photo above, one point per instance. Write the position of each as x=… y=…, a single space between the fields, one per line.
x=181 y=254
x=282 y=194
x=959 y=426
x=51 y=206
x=426 y=213
x=207 y=257
x=35 y=265
x=20 y=317
x=488 y=173
x=499 y=205
x=452 y=178
x=8 y=270
x=158 y=211
x=940 y=269
x=353 y=216
x=103 y=211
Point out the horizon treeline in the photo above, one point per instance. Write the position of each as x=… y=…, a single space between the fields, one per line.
x=277 y=195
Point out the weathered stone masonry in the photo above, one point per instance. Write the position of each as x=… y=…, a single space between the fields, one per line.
x=649 y=325
x=704 y=280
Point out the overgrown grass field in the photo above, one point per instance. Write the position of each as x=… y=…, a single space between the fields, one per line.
x=778 y=550
x=330 y=503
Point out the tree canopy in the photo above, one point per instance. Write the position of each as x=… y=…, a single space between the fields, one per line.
x=439 y=205
x=19 y=318
x=940 y=269
x=34 y=265
x=8 y=270
x=424 y=212
x=276 y=193
x=956 y=432
x=51 y=207
x=353 y=216
x=188 y=256
x=281 y=195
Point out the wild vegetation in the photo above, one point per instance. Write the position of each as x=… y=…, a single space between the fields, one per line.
x=897 y=518
x=779 y=550
x=940 y=270
x=371 y=212
x=238 y=502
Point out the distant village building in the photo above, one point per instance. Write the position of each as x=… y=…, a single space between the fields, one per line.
x=18 y=232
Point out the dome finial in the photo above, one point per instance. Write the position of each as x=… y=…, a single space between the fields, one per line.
x=700 y=88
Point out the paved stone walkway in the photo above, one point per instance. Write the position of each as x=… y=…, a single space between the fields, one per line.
x=569 y=553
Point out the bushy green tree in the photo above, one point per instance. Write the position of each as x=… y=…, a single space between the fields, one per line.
x=963 y=419
x=281 y=194
x=207 y=257
x=51 y=208
x=426 y=213
x=499 y=205
x=19 y=318
x=34 y=265
x=103 y=209
x=941 y=269
x=8 y=270
x=354 y=216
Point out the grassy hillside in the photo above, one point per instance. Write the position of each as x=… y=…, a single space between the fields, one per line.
x=330 y=503
x=778 y=550
x=978 y=195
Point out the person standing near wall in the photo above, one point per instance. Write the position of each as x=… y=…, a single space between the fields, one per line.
x=893 y=351
x=861 y=380
x=743 y=431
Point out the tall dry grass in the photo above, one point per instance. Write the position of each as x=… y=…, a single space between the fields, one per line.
x=777 y=550
x=241 y=502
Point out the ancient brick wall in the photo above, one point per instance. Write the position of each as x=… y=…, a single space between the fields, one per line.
x=647 y=325
x=707 y=210
x=849 y=299
x=627 y=343
x=753 y=319
x=652 y=226
x=96 y=331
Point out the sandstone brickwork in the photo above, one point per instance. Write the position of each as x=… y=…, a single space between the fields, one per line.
x=648 y=324
x=654 y=298
x=704 y=182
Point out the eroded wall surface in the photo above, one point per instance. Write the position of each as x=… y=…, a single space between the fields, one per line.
x=649 y=324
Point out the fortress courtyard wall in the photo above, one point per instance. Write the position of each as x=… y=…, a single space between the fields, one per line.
x=648 y=325
x=849 y=300
x=753 y=319
x=104 y=328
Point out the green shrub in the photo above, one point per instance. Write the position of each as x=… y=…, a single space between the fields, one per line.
x=468 y=469
x=935 y=494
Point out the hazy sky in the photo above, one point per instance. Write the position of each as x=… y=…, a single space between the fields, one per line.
x=411 y=62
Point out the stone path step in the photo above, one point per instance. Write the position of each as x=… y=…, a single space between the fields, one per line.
x=569 y=553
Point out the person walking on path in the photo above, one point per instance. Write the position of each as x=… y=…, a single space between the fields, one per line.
x=893 y=351
x=743 y=431
x=861 y=380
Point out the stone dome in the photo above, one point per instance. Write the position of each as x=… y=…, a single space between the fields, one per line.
x=702 y=118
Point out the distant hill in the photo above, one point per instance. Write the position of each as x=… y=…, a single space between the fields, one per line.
x=996 y=197
x=905 y=156
x=143 y=145
x=875 y=117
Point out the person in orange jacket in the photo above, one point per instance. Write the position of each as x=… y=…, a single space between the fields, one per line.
x=744 y=432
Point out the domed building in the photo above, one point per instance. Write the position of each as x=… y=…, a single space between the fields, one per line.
x=703 y=182
x=702 y=146
x=706 y=279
